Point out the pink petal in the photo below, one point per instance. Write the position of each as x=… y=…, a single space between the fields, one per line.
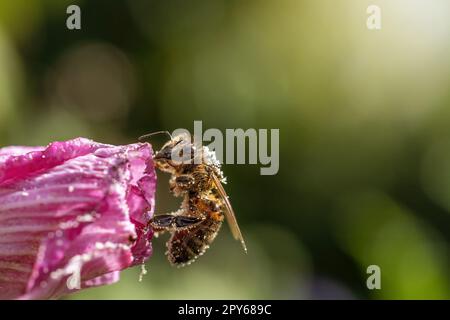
x=74 y=205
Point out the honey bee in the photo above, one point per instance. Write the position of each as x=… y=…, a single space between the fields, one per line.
x=197 y=177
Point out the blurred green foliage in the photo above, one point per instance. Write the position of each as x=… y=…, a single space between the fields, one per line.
x=364 y=119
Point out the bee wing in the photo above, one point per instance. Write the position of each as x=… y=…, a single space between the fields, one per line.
x=231 y=218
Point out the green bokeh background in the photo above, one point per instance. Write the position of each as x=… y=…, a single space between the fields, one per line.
x=364 y=119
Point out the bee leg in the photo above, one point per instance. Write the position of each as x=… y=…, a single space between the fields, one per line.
x=168 y=222
x=162 y=220
x=182 y=222
x=184 y=181
x=180 y=184
x=162 y=223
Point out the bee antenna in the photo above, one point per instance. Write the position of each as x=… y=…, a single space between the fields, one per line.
x=145 y=136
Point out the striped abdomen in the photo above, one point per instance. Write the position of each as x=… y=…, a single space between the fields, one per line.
x=186 y=245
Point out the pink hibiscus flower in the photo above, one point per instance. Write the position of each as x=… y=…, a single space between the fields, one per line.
x=72 y=215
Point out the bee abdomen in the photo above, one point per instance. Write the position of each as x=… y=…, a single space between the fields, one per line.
x=185 y=246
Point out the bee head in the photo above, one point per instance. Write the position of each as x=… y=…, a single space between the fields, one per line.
x=177 y=151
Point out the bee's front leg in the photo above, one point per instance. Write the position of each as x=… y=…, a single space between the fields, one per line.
x=181 y=184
